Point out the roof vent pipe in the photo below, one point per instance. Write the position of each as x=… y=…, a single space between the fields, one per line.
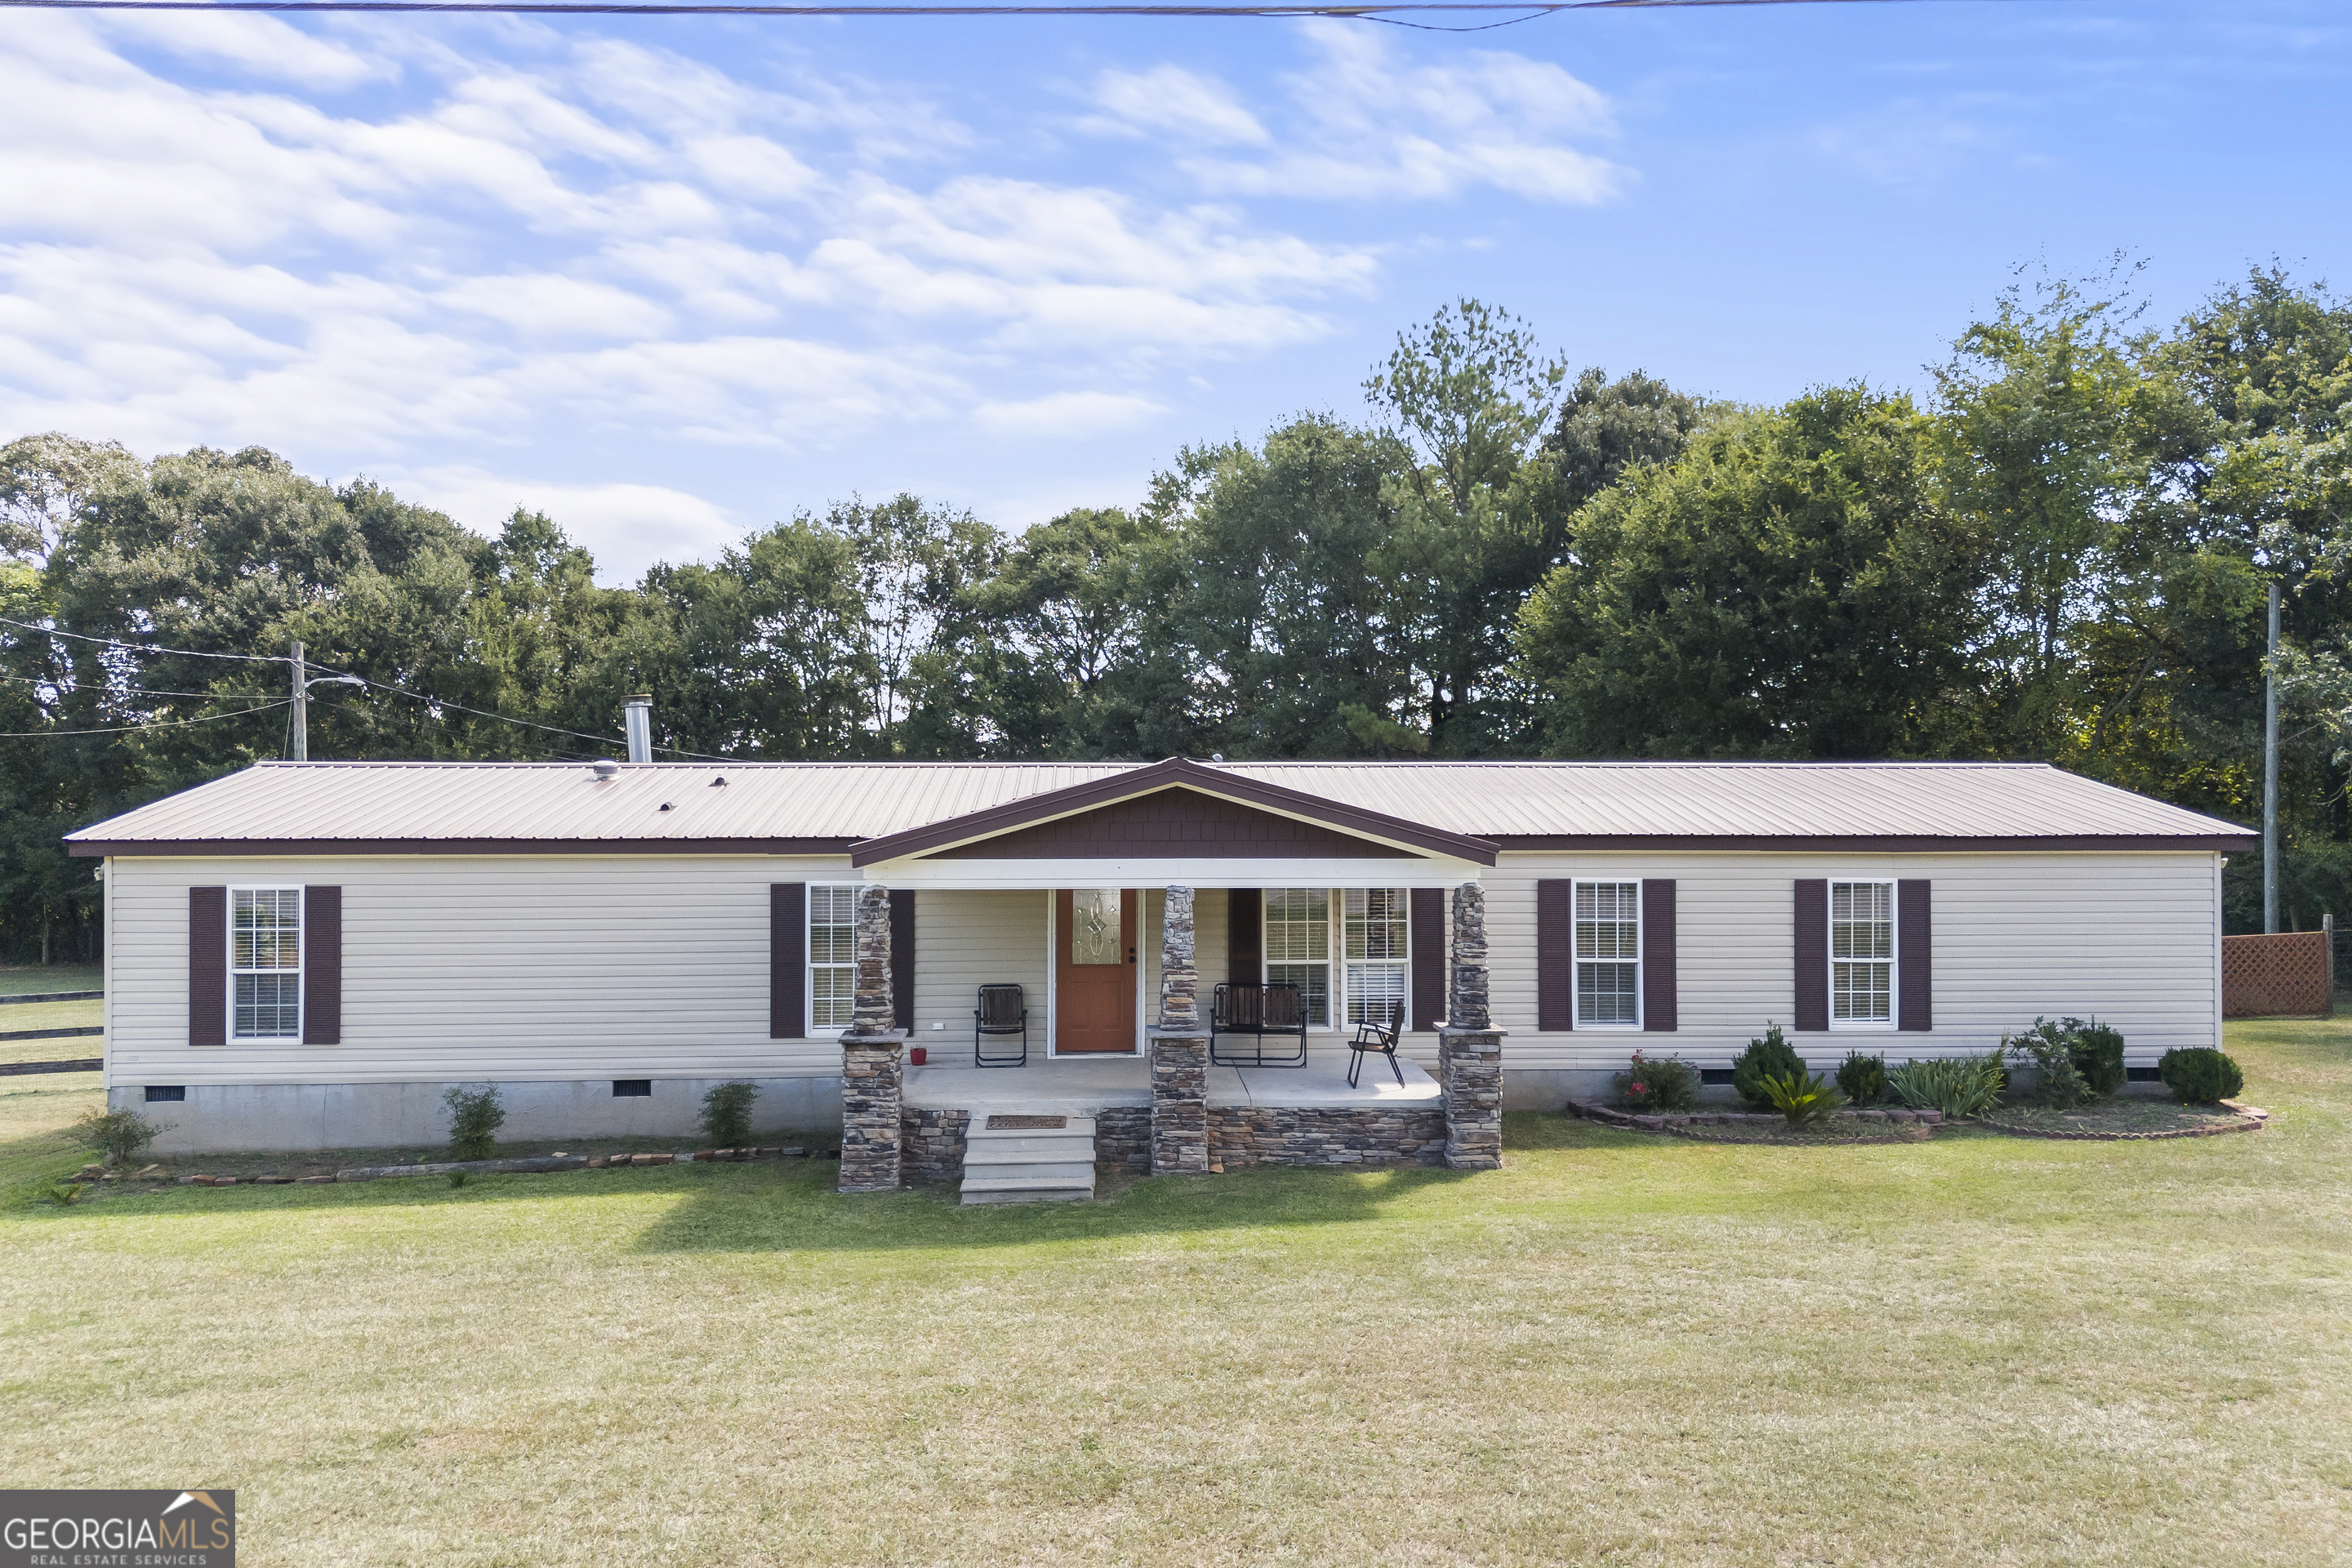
x=607 y=769
x=637 y=712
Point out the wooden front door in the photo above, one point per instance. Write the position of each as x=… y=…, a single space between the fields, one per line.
x=1094 y=971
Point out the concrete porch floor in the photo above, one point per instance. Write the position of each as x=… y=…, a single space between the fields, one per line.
x=1062 y=1086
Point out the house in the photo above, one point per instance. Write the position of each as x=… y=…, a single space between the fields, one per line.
x=307 y=954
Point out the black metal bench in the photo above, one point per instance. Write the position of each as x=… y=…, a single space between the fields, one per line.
x=1003 y=1011
x=1257 y=1011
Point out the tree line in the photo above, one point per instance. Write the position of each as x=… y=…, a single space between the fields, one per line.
x=2061 y=554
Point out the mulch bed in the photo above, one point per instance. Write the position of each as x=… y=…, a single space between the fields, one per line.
x=2124 y=1120
x=1844 y=1128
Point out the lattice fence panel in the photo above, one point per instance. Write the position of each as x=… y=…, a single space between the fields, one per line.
x=2285 y=975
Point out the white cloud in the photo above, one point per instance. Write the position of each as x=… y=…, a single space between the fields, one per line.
x=626 y=527
x=1172 y=99
x=1367 y=124
x=1065 y=415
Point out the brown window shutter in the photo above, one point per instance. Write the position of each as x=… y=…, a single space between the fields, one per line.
x=1426 y=934
x=1555 y=956
x=1245 y=935
x=322 y=966
x=207 y=966
x=1813 y=945
x=902 y=957
x=1658 y=994
x=787 y=960
x=1915 y=969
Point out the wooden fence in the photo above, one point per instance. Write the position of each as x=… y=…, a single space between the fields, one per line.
x=2291 y=974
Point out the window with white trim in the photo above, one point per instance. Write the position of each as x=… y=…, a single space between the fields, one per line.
x=1862 y=952
x=1607 y=956
x=1376 y=951
x=265 y=937
x=831 y=957
x=1297 y=934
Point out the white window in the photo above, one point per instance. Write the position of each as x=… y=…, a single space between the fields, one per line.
x=1607 y=956
x=265 y=939
x=1298 y=947
x=1379 y=931
x=831 y=957
x=1862 y=952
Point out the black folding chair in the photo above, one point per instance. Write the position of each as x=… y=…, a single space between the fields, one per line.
x=1257 y=1011
x=1001 y=1012
x=1377 y=1033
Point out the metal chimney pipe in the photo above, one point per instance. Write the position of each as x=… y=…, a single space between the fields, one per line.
x=637 y=713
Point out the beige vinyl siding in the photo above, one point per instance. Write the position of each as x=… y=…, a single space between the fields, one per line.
x=2128 y=936
x=964 y=941
x=509 y=967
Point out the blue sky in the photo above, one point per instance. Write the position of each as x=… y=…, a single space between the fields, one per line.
x=673 y=278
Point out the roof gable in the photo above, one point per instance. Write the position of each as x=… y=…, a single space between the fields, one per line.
x=1181 y=807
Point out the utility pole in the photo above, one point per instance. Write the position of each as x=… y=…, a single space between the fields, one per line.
x=302 y=703
x=2270 y=774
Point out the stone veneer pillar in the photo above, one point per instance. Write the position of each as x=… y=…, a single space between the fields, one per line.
x=1470 y=1049
x=872 y=1059
x=1179 y=1050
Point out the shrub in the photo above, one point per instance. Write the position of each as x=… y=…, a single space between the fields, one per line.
x=121 y=1133
x=65 y=1195
x=1660 y=1083
x=457 y=1178
x=2057 y=1082
x=2201 y=1075
x=1802 y=1099
x=727 y=1115
x=1957 y=1086
x=475 y=1118
x=2098 y=1056
x=1862 y=1080
x=1770 y=1056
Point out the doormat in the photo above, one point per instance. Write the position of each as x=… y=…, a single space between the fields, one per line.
x=1025 y=1123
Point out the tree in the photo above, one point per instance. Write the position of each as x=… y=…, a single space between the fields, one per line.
x=1606 y=427
x=1788 y=587
x=1070 y=602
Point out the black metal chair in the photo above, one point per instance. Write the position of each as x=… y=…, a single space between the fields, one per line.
x=1257 y=1011
x=1377 y=1034
x=1003 y=1011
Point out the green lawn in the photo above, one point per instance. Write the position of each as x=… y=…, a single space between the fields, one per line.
x=16 y=979
x=1619 y=1350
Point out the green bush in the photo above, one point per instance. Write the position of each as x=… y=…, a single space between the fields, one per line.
x=121 y=1133
x=727 y=1115
x=1862 y=1080
x=475 y=1118
x=1957 y=1086
x=2098 y=1056
x=1658 y=1083
x=2201 y=1075
x=65 y=1195
x=2057 y=1082
x=1770 y=1056
x=1802 y=1099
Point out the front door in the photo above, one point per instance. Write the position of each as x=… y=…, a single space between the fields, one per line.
x=1094 y=971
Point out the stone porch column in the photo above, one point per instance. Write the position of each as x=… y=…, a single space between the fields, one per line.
x=1179 y=1050
x=1470 y=1049
x=872 y=1059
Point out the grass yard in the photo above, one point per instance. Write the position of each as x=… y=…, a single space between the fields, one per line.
x=1619 y=1350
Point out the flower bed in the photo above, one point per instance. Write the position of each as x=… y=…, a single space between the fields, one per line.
x=2135 y=1117
x=1849 y=1126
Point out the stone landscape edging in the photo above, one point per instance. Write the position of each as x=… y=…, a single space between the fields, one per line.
x=2242 y=1123
x=1714 y=1126
x=526 y=1165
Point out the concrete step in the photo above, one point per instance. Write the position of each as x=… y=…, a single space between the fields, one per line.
x=1029 y=1164
x=1060 y=1145
x=1070 y=1172
x=1029 y=1196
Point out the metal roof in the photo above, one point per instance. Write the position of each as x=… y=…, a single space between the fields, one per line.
x=817 y=806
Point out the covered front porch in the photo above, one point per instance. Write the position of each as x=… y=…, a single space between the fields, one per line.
x=1148 y=892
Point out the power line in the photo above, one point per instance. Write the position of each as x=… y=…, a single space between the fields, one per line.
x=68 y=688
x=132 y=646
x=159 y=724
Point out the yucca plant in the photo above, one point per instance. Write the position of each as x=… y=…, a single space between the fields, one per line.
x=1957 y=1086
x=1802 y=1099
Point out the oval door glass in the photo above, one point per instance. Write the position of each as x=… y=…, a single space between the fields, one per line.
x=1093 y=926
